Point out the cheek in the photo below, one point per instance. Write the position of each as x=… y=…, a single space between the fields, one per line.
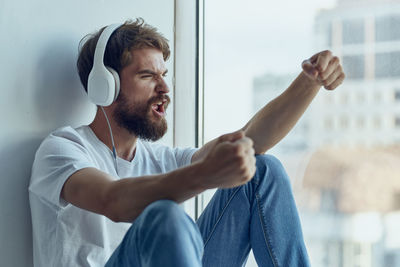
x=137 y=92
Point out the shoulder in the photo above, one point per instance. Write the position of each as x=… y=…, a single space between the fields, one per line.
x=64 y=134
x=62 y=138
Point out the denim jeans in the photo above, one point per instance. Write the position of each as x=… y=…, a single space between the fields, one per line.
x=260 y=215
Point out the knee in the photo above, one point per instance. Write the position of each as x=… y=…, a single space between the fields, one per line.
x=169 y=217
x=168 y=221
x=269 y=163
x=271 y=170
x=164 y=211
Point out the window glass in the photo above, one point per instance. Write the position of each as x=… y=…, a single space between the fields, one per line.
x=397 y=95
x=353 y=31
x=353 y=65
x=387 y=64
x=387 y=28
x=343 y=156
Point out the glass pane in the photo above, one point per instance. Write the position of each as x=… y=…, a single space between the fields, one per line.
x=343 y=156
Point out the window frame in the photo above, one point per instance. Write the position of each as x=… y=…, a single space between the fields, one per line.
x=188 y=82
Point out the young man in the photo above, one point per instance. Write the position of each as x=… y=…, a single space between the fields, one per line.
x=90 y=208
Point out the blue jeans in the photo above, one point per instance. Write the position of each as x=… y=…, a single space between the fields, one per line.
x=260 y=215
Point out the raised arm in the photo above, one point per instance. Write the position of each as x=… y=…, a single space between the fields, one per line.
x=277 y=118
x=227 y=164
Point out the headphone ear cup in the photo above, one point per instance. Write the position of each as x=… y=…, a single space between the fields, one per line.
x=101 y=86
x=116 y=80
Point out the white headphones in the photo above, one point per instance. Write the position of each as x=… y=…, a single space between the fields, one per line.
x=103 y=82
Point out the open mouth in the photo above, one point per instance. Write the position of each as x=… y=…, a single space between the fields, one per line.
x=159 y=107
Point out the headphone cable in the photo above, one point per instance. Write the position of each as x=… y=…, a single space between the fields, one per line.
x=112 y=141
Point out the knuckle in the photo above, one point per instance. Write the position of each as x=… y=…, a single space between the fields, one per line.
x=245 y=178
x=327 y=53
x=237 y=149
x=220 y=139
x=251 y=143
x=243 y=171
x=239 y=161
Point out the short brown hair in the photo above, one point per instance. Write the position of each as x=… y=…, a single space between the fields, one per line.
x=129 y=36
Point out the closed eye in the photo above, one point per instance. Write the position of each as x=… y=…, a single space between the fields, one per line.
x=144 y=74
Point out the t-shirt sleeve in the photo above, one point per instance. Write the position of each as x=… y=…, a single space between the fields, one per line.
x=184 y=156
x=57 y=158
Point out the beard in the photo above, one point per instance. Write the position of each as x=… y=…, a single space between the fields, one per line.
x=136 y=119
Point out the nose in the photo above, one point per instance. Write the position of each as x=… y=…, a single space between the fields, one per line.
x=162 y=86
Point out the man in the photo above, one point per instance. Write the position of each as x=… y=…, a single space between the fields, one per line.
x=93 y=208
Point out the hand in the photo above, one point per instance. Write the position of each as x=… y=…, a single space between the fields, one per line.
x=231 y=162
x=325 y=69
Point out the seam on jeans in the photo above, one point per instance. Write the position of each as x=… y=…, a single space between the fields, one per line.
x=220 y=216
x=264 y=229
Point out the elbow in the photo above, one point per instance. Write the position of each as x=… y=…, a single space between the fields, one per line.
x=110 y=206
x=113 y=216
x=115 y=207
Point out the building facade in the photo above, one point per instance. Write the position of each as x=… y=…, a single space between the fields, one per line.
x=343 y=155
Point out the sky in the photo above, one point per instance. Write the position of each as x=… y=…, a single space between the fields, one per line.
x=244 y=39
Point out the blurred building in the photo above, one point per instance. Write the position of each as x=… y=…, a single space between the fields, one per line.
x=350 y=206
x=366 y=36
x=344 y=154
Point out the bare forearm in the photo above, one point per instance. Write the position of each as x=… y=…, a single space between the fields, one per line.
x=277 y=118
x=128 y=197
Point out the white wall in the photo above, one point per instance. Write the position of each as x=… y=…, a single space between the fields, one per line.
x=40 y=91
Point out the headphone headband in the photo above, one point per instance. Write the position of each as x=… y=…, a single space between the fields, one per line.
x=102 y=43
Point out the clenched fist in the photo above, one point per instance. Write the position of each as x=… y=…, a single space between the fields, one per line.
x=231 y=162
x=325 y=69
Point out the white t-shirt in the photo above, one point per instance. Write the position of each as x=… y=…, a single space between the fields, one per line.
x=65 y=235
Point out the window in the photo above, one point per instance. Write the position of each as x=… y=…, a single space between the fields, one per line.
x=387 y=65
x=396 y=200
x=397 y=121
x=377 y=97
x=361 y=97
x=353 y=31
x=397 y=95
x=328 y=123
x=344 y=122
x=354 y=66
x=253 y=50
x=377 y=122
x=328 y=200
x=344 y=98
x=387 y=28
x=360 y=122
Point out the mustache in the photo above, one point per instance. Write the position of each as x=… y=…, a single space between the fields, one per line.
x=156 y=99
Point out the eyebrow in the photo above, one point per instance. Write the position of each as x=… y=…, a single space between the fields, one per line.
x=147 y=71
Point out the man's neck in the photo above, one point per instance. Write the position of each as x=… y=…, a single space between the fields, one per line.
x=125 y=142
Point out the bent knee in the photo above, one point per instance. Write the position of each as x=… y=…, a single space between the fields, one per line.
x=163 y=209
x=270 y=167
x=169 y=216
x=269 y=161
